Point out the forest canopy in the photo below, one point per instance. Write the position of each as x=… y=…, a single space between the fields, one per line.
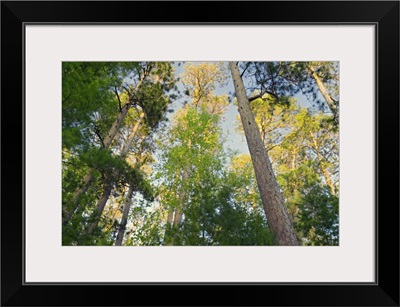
x=200 y=153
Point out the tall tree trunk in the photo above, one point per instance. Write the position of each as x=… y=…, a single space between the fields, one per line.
x=124 y=218
x=325 y=94
x=98 y=210
x=88 y=178
x=324 y=171
x=168 y=227
x=179 y=209
x=276 y=212
x=107 y=188
x=328 y=179
x=181 y=197
x=293 y=164
x=87 y=181
x=168 y=240
x=170 y=216
x=131 y=137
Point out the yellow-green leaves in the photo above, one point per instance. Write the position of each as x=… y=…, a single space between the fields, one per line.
x=200 y=82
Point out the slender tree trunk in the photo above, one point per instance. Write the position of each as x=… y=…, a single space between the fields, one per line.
x=324 y=171
x=276 y=212
x=170 y=217
x=178 y=213
x=88 y=178
x=131 y=137
x=181 y=197
x=294 y=159
x=98 y=210
x=328 y=179
x=107 y=188
x=179 y=209
x=169 y=227
x=325 y=94
x=116 y=125
x=87 y=181
x=168 y=240
x=124 y=218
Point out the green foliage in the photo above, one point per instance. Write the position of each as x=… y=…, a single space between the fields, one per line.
x=318 y=217
x=302 y=143
x=240 y=219
x=184 y=171
x=272 y=117
x=305 y=163
x=93 y=95
x=86 y=96
x=284 y=79
x=157 y=93
x=216 y=209
x=146 y=230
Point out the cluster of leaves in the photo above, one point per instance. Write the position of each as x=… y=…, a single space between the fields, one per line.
x=220 y=205
x=94 y=95
x=285 y=79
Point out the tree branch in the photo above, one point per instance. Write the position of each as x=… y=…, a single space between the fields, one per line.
x=119 y=100
x=97 y=131
x=247 y=66
x=263 y=92
x=67 y=97
x=127 y=90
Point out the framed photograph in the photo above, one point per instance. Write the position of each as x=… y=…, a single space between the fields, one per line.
x=241 y=153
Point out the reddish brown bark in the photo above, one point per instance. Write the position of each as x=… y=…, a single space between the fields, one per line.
x=276 y=212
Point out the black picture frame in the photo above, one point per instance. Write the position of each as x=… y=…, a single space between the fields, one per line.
x=383 y=14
